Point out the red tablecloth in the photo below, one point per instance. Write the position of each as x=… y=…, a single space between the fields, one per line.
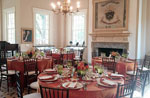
x=92 y=90
x=121 y=67
x=19 y=66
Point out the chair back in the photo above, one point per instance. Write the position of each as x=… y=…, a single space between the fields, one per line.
x=141 y=78
x=146 y=62
x=18 y=84
x=54 y=92
x=30 y=64
x=109 y=63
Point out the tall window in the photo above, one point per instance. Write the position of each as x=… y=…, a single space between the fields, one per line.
x=9 y=25
x=41 y=27
x=79 y=27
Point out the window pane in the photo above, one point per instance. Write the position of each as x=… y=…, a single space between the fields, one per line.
x=10 y=27
x=78 y=28
x=42 y=29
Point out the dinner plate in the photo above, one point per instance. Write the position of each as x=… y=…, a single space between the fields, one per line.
x=109 y=82
x=49 y=70
x=78 y=85
x=45 y=77
x=49 y=79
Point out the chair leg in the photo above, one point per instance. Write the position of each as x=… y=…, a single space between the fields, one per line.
x=1 y=80
x=7 y=84
x=28 y=89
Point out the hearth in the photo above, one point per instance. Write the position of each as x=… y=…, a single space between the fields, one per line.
x=107 y=47
x=107 y=51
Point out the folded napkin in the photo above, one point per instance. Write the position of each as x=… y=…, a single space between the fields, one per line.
x=116 y=75
x=46 y=77
x=72 y=85
x=107 y=82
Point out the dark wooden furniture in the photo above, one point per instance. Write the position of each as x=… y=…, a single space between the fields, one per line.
x=54 y=92
x=141 y=76
x=19 y=89
x=109 y=63
x=126 y=89
x=31 y=71
x=6 y=50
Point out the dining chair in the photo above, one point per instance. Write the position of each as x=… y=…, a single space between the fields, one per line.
x=109 y=63
x=19 y=89
x=5 y=73
x=133 y=72
x=31 y=73
x=126 y=90
x=47 y=92
x=141 y=76
x=69 y=57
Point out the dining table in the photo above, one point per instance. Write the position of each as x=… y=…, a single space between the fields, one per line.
x=18 y=65
x=92 y=90
x=122 y=66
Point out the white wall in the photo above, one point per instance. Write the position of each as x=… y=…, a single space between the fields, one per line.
x=148 y=29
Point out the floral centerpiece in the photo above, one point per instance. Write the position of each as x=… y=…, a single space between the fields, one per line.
x=98 y=69
x=30 y=52
x=82 y=68
x=115 y=54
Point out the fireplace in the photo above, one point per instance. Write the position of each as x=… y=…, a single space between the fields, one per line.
x=107 y=51
x=108 y=47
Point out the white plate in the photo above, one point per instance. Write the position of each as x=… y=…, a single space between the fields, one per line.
x=116 y=75
x=49 y=70
x=50 y=80
x=45 y=77
x=79 y=85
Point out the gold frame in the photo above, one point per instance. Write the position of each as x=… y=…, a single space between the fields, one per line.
x=110 y=29
x=22 y=31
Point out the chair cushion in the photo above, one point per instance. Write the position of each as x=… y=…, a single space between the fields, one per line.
x=131 y=72
x=30 y=73
x=33 y=95
x=10 y=72
x=145 y=69
x=34 y=85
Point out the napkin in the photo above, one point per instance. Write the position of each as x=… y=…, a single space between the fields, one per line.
x=72 y=84
x=107 y=82
x=116 y=75
x=46 y=77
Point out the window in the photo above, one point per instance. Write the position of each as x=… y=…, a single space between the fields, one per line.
x=9 y=25
x=79 y=27
x=42 y=27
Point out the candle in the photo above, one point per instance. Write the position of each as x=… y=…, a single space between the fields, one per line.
x=53 y=6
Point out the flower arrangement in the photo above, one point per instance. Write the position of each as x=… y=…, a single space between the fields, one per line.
x=82 y=68
x=115 y=54
x=30 y=52
x=98 y=69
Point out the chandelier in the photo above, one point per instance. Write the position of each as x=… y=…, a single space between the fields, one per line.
x=64 y=7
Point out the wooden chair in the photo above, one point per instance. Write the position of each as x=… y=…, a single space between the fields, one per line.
x=31 y=73
x=19 y=89
x=5 y=73
x=69 y=58
x=126 y=89
x=141 y=76
x=132 y=73
x=54 y=92
x=109 y=63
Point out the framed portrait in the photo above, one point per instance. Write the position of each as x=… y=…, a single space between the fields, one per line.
x=110 y=15
x=26 y=35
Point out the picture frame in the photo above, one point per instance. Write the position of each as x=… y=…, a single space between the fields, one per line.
x=27 y=35
x=110 y=15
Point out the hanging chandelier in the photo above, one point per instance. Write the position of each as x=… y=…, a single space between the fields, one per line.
x=64 y=7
